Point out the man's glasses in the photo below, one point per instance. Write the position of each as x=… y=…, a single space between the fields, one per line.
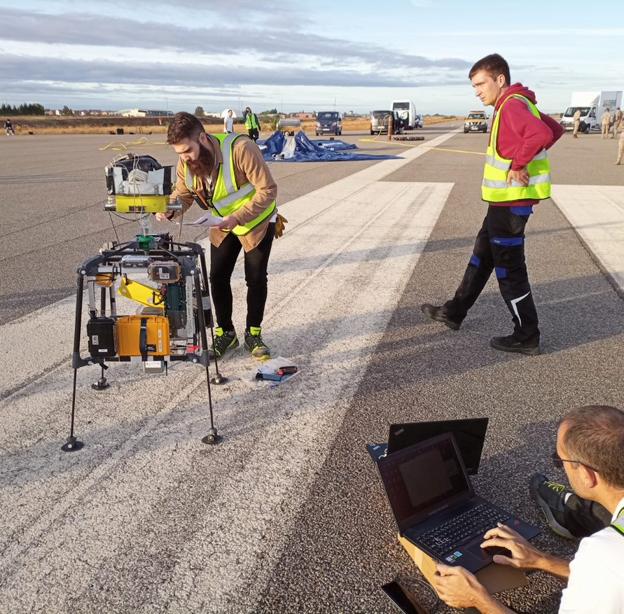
x=558 y=462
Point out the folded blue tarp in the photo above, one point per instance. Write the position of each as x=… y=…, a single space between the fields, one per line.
x=313 y=151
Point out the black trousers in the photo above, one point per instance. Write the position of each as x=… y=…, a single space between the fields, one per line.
x=583 y=517
x=500 y=247
x=253 y=134
x=222 y=261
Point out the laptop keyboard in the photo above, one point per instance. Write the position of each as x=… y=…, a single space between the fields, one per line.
x=468 y=524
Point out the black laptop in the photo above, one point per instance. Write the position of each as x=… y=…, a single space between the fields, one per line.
x=436 y=507
x=469 y=434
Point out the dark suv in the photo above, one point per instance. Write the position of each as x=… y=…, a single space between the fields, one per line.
x=328 y=122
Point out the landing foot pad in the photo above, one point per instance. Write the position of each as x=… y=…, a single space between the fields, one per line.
x=72 y=445
x=212 y=439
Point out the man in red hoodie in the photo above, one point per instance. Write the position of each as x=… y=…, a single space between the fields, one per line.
x=516 y=177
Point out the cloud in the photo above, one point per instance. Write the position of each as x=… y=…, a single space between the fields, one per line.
x=16 y=68
x=273 y=44
x=241 y=10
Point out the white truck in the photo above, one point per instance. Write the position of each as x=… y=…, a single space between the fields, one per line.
x=591 y=105
x=406 y=112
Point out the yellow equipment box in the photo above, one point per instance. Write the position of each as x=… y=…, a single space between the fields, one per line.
x=142 y=335
x=141 y=293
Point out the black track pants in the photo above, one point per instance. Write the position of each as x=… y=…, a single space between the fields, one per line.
x=583 y=517
x=222 y=261
x=500 y=247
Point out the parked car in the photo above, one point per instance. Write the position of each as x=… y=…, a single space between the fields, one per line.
x=379 y=121
x=476 y=121
x=328 y=122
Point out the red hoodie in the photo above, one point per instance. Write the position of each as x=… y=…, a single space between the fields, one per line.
x=521 y=135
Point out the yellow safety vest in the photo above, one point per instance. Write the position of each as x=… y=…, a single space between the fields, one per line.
x=618 y=523
x=250 y=122
x=495 y=188
x=227 y=197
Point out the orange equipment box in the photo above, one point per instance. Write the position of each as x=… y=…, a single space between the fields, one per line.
x=142 y=335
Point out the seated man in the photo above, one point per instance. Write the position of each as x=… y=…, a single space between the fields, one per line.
x=590 y=448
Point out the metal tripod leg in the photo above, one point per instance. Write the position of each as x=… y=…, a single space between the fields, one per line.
x=213 y=437
x=218 y=379
x=102 y=383
x=72 y=444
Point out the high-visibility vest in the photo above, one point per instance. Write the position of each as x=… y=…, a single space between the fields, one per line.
x=227 y=197
x=495 y=188
x=250 y=122
x=618 y=523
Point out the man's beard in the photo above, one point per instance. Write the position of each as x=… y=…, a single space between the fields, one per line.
x=204 y=164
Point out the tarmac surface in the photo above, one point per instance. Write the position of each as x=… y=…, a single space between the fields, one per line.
x=288 y=514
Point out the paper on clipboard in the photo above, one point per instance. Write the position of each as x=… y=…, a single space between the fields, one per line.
x=205 y=220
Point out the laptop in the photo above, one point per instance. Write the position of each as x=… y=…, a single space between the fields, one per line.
x=469 y=435
x=435 y=505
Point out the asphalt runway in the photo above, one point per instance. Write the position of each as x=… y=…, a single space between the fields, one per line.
x=288 y=513
x=53 y=192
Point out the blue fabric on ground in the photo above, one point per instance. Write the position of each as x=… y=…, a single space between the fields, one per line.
x=333 y=144
x=307 y=150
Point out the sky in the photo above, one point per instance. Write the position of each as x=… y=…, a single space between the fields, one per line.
x=300 y=55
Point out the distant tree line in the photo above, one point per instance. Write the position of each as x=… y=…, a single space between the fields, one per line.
x=23 y=109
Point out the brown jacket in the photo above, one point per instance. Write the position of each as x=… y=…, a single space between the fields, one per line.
x=249 y=167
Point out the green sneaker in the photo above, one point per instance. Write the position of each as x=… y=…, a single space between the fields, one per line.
x=224 y=341
x=255 y=345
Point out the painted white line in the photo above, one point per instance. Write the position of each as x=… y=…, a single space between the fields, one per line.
x=330 y=326
x=348 y=304
x=597 y=214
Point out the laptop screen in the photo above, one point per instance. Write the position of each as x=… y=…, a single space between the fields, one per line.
x=469 y=436
x=423 y=479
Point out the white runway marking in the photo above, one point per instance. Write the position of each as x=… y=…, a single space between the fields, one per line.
x=597 y=214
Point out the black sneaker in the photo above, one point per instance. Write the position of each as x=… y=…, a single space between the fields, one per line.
x=439 y=315
x=511 y=344
x=550 y=498
x=255 y=345
x=224 y=340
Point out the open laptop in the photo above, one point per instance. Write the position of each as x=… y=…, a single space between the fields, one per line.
x=436 y=507
x=469 y=435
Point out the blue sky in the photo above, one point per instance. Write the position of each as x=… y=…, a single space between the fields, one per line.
x=300 y=55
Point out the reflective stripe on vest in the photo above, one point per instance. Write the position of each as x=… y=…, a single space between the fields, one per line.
x=495 y=187
x=250 y=122
x=227 y=197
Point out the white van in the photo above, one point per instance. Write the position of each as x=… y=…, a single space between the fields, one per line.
x=406 y=112
x=591 y=105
